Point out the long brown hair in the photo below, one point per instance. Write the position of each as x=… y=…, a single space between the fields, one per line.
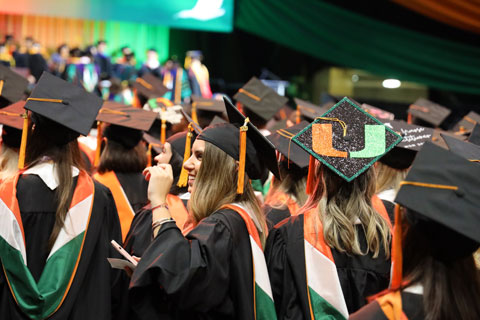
x=64 y=157
x=216 y=185
x=293 y=183
x=388 y=177
x=116 y=157
x=451 y=287
x=340 y=203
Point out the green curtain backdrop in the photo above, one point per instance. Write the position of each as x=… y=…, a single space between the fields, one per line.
x=345 y=38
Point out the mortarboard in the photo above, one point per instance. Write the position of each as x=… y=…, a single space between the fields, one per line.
x=61 y=110
x=346 y=139
x=159 y=102
x=153 y=143
x=217 y=120
x=213 y=106
x=443 y=187
x=282 y=140
x=260 y=99
x=468 y=122
x=413 y=138
x=475 y=135
x=464 y=149
x=150 y=86
x=309 y=111
x=12 y=86
x=377 y=112
x=437 y=137
x=12 y=119
x=428 y=111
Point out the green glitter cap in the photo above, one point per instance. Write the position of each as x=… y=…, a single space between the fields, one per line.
x=347 y=139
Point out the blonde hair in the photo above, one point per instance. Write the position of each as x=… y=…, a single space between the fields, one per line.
x=216 y=185
x=293 y=183
x=388 y=177
x=340 y=203
x=8 y=162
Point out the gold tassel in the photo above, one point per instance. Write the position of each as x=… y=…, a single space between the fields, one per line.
x=98 y=151
x=149 y=155
x=23 y=145
x=242 y=156
x=1 y=87
x=311 y=175
x=194 y=112
x=298 y=118
x=163 y=132
x=183 y=179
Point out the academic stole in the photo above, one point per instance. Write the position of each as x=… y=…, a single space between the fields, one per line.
x=41 y=300
x=325 y=295
x=264 y=307
x=124 y=209
x=281 y=198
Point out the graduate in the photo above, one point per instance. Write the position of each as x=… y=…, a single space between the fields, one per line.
x=216 y=271
x=123 y=159
x=175 y=78
x=285 y=197
x=11 y=118
x=325 y=261
x=436 y=232
x=57 y=222
x=198 y=75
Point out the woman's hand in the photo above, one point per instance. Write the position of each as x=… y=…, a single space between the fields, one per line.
x=166 y=155
x=160 y=179
x=130 y=271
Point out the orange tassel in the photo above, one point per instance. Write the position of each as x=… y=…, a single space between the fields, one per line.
x=298 y=118
x=136 y=100
x=23 y=145
x=183 y=179
x=242 y=156
x=149 y=155
x=311 y=175
x=98 y=151
x=194 y=112
x=163 y=132
x=409 y=118
x=1 y=87
x=397 y=263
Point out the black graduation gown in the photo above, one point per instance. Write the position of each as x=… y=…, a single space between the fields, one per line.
x=412 y=305
x=275 y=215
x=135 y=187
x=360 y=276
x=207 y=275
x=91 y=295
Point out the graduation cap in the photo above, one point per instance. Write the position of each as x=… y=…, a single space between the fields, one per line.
x=428 y=111
x=464 y=149
x=378 y=113
x=126 y=124
x=282 y=140
x=61 y=110
x=204 y=104
x=413 y=138
x=442 y=188
x=12 y=119
x=150 y=86
x=475 y=135
x=260 y=99
x=241 y=140
x=12 y=86
x=439 y=141
x=309 y=111
x=468 y=122
x=159 y=102
x=217 y=120
x=346 y=139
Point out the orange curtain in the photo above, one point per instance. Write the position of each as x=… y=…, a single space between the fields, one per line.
x=463 y=14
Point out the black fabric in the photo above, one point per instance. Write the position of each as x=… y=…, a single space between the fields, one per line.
x=360 y=276
x=37 y=65
x=11 y=137
x=275 y=215
x=467 y=150
x=207 y=275
x=135 y=187
x=56 y=133
x=127 y=137
x=371 y=311
x=14 y=86
x=412 y=305
x=92 y=294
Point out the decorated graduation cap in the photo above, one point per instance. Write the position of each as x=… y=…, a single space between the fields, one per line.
x=282 y=140
x=413 y=138
x=443 y=187
x=242 y=141
x=309 y=111
x=377 y=112
x=466 y=150
x=150 y=86
x=346 y=139
x=61 y=110
x=260 y=99
x=160 y=102
x=12 y=119
x=428 y=111
x=203 y=104
x=126 y=124
x=468 y=122
x=475 y=135
x=12 y=86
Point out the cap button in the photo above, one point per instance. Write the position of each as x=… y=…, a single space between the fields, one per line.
x=65 y=102
x=347 y=138
x=459 y=193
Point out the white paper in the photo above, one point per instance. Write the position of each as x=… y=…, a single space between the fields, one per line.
x=121 y=263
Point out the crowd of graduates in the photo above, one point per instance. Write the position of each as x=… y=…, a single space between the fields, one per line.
x=227 y=207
